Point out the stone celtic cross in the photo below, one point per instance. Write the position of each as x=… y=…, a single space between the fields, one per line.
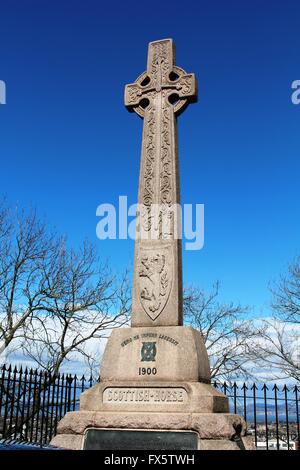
x=158 y=95
x=155 y=375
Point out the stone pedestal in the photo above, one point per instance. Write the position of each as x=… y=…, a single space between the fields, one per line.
x=169 y=353
x=161 y=369
x=216 y=431
x=168 y=397
x=174 y=393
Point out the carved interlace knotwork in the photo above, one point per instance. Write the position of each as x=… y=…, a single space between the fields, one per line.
x=134 y=93
x=160 y=66
x=148 y=190
x=186 y=84
x=166 y=172
x=159 y=218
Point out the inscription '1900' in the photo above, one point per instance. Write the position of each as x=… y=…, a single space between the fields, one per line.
x=144 y=395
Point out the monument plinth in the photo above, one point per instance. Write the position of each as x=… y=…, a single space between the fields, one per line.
x=155 y=376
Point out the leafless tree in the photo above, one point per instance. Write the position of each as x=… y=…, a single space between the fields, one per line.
x=24 y=244
x=286 y=301
x=85 y=303
x=279 y=348
x=53 y=299
x=227 y=332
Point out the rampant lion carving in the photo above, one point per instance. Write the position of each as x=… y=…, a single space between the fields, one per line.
x=155 y=282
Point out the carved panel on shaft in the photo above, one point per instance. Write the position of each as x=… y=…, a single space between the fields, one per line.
x=155 y=279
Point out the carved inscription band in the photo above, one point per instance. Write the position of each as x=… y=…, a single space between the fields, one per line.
x=142 y=396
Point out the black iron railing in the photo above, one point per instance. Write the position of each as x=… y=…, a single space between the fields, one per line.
x=271 y=412
x=32 y=402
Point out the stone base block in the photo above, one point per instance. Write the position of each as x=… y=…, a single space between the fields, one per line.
x=216 y=430
x=219 y=444
x=172 y=397
x=162 y=354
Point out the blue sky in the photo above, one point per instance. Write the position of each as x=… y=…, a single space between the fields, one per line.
x=67 y=143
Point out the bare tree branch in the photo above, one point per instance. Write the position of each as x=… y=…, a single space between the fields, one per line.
x=54 y=300
x=226 y=331
x=279 y=347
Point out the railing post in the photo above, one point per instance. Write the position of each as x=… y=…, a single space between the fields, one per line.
x=245 y=388
x=2 y=387
x=52 y=405
x=39 y=407
x=28 y=404
x=48 y=386
x=62 y=396
x=69 y=387
x=34 y=404
x=275 y=388
x=297 y=414
x=285 y=389
x=82 y=383
x=12 y=402
x=234 y=398
x=8 y=380
x=254 y=388
x=24 y=400
x=18 y=403
x=43 y=406
x=56 y=403
x=74 y=392
x=265 y=388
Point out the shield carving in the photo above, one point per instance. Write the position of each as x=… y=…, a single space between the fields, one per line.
x=155 y=279
x=148 y=351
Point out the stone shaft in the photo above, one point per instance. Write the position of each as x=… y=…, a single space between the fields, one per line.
x=157 y=96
